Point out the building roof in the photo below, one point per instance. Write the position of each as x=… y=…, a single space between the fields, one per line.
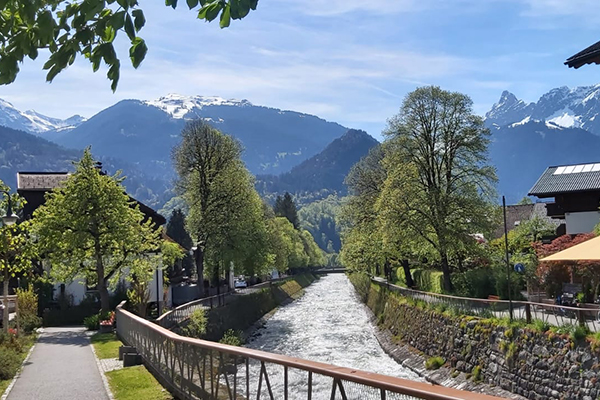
x=516 y=214
x=30 y=183
x=586 y=56
x=567 y=179
x=40 y=181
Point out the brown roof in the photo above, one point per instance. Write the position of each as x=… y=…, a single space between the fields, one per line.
x=522 y=212
x=40 y=181
x=586 y=56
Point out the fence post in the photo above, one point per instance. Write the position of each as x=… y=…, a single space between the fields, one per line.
x=210 y=298
x=528 y=312
x=581 y=317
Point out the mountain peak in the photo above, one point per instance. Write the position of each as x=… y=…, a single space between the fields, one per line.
x=179 y=106
x=33 y=122
x=508 y=109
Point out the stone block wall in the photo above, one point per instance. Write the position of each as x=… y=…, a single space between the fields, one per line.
x=522 y=360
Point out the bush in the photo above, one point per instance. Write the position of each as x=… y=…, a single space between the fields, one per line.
x=10 y=362
x=540 y=325
x=197 y=323
x=92 y=323
x=434 y=363
x=476 y=373
x=579 y=333
x=232 y=338
x=428 y=280
x=478 y=283
x=27 y=301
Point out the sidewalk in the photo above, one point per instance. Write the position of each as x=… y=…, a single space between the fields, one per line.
x=62 y=366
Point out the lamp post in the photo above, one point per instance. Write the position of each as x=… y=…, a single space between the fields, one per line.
x=7 y=220
x=510 y=305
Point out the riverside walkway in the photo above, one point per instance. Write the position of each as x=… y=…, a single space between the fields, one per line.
x=61 y=366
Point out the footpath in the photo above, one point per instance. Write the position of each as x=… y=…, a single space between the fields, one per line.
x=61 y=366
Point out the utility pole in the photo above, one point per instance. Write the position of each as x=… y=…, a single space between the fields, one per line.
x=510 y=305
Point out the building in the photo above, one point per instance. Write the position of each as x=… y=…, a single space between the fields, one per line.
x=518 y=213
x=589 y=55
x=575 y=190
x=33 y=186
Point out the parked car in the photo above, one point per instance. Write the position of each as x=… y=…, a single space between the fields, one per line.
x=240 y=283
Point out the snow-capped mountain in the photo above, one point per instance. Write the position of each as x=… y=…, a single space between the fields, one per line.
x=34 y=122
x=562 y=107
x=188 y=107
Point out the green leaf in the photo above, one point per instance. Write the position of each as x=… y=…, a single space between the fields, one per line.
x=192 y=3
x=139 y=19
x=118 y=20
x=137 y=52
x=129 y=28
x=171 y=3
x=225 y=17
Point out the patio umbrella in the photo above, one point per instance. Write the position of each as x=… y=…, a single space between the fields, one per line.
x=586 y=251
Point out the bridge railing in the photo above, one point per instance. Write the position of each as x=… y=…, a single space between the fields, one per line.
x=199 y=369
x=184 y=311
x=526 y=311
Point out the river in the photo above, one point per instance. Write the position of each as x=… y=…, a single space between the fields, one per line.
x=328 y=324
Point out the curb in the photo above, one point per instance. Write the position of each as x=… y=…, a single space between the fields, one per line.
x=14 y=379
x=100 y=369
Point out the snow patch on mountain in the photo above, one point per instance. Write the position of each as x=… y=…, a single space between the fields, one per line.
x=179 y=106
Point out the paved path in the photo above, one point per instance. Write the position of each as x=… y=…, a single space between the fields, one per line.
x=62 y=366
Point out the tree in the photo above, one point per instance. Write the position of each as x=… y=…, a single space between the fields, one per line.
x=90 y=229
x=320 y=219
x=16 y=253
x=443 y=186
x=176 y=231
x=87 y=28
x=225 y=217
x=285 y=207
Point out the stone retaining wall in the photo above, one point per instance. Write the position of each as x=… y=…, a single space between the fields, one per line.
x=521 y=360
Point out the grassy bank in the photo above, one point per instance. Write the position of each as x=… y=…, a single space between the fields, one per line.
x=135 y=383
x=13 y=351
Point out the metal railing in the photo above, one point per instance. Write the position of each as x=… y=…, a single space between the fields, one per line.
x=199 y=369
x=550 y=314
x=184 y=311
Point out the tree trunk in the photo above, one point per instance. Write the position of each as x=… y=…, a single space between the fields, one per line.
x=446 y=269
x=199 y=259
x=5 y=301
x=102 y=289
x=407 y=276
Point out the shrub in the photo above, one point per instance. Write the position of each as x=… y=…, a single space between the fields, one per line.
x=27 y=301
x=232 y=338
x=540 y=325
x=428 y=280
x=434 y=363
x=10 y=361
x=579 y=333
x=476 y=373
x=478 y=283
x=197 y=323
x=92 y=323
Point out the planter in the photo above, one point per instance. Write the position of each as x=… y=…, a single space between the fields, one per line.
x=106 y=328
x=131 y=359
x=125 y=350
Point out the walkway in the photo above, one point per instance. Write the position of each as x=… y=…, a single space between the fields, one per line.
x=62 y=366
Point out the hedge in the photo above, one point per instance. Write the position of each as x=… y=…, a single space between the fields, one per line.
x=428 y=280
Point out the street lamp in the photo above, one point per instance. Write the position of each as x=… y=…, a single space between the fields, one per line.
x=510 y=305
x=9 y=218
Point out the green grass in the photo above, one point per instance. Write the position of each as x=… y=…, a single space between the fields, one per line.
x=4 y=385
x=27 y=342
x=106 y=345
x=135 y=383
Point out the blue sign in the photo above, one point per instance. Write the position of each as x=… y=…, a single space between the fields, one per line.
x=520 y=268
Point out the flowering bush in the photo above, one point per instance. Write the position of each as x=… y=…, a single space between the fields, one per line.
x=110 y=321
x=12 y=331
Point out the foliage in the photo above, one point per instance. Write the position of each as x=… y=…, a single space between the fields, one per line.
x=27 y=300
x=232 y=338
x=286 y=207
x=434 y=363
x=478 y=282
x=10 y=362
x=476 y=373
x=429 y=280
x=89 y=229
x=92 y=323
x=196 y=326
x=87 y=28
x=320 y=219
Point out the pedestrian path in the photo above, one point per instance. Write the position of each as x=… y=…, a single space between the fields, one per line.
x=61 y=366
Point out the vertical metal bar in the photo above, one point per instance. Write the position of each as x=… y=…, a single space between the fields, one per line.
x=383 y=394
x=309 y=385
x=333 y=387
x=510 y=307
x=285 y=382
x=247 y=378
x=212 y=389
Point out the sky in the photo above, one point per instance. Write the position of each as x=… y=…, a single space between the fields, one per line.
x=348 y=61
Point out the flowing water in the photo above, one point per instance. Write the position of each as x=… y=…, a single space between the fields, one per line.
x=328 y=324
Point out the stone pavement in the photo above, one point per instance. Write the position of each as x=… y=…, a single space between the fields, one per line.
x=61 y=366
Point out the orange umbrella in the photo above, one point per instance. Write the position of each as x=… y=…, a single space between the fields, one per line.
x=586 y=251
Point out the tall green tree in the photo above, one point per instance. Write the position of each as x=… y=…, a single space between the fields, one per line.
x=225 y=217
x=87 y=28
x=90 y=229
x=443 y=187
x=286 y=207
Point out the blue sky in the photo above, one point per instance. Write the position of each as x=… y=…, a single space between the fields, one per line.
x=349 y=61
